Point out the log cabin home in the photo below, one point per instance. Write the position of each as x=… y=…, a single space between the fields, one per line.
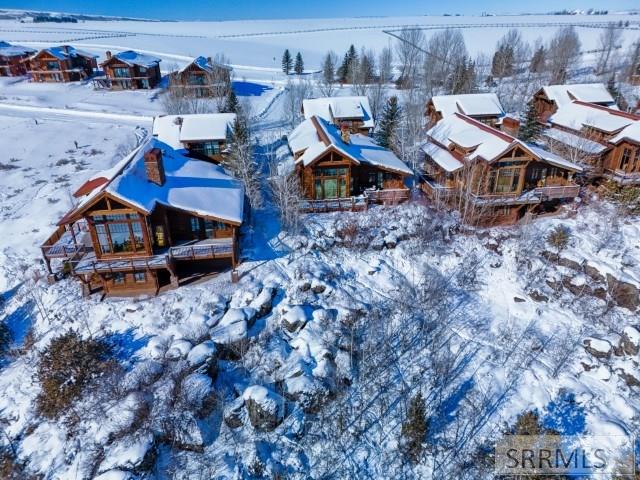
x=129 y=70
x=355 y=112
x=203 y=78
x=203 y=136
x=340 y=170
x=61 y=64
x=484 y=107
x=490 y=176
x=12 y=59
x=604 y=141
x=549 y=99
x=155 y=219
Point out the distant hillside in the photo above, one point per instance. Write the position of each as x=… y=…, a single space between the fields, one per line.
x=60 y=17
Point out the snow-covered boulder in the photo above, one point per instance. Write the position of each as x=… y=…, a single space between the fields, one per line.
x=143 y=373
x=233 y=326
x=265 y=407
x=624 y=294
x=263 y=303
x=308 y=392
x=233 y=413
x=127 y=453
x=630 y=341
x=178 y=349
x=197 y=390
x=601 y=349
x=202 y=353
x=294 y=317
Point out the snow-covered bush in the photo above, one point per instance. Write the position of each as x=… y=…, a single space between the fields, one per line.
x=67 y=366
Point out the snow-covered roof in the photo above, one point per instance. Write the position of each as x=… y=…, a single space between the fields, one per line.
x=442 y=157
x=176 y=129
x=64 y=52
x=575 y=141
x=485 y=142
x=316 y=136
x=191 y=185
x=631 y=132
x=8 y=50
x=585 y=92
x=472 y=104
x=576 y=115
x=131 y=57
x=206 y=65
x=330 y=108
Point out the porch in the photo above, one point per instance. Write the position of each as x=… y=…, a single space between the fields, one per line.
x=622 y=177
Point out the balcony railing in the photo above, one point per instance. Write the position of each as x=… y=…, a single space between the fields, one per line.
x=335 y=204
x=622 y=177
x=389 y=196
x=556 y=192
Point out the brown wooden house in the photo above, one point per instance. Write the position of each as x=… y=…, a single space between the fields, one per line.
x=549 y=99
x=354 y=112
x=601 y=139
x=129 y=70
x=203 y=135
x=484 y=107
x=490 y=176
x=339 y=170
x=61 y=64
x=154 y=219
x=203 y=78
x=12 y=59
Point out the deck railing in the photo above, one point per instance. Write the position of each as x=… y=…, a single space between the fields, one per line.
x=210 y=250
x=335 y=204
x=623 y=177
x=390 y=196
x=559 y=191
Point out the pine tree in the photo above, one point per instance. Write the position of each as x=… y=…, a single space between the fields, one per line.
x=530 y=128
x=387 y=133
x=299 y=65
x=231 y=104
x=613 y=88
x=347 y=64
x=538 y=60
x=414 y=429
x=286 y=62
x=328 y=68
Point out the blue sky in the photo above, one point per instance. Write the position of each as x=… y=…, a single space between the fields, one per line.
x=256 y=9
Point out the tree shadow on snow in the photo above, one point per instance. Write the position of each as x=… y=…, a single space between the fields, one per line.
x=249 y=89
x=124 y=345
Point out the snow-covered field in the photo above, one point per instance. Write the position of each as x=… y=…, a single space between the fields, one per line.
x=332 y=331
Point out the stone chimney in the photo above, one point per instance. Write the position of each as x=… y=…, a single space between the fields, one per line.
x=108 y=55
x=209 y=61
x=345 y=133
x=154 y=167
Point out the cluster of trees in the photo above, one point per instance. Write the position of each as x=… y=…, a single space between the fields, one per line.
x=288 y=63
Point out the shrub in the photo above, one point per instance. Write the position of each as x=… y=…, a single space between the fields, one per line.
x=559 y=238
x=414 y=429
x=67 y=366
x=628 y=197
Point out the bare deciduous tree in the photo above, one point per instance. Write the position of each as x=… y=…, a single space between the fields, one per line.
x=607 y=43
x=409 y=50
x=447 y=50
x=296 y=91
x=563 y=54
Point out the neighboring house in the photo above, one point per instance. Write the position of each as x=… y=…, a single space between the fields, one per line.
x=493 y=177
x=339 y=170
x=484 y=107
x=12 y=59
x=355 y=112
x=154 y=219
x=203 y=135
x=61 y=64
x=549 y=99
x=605 y=141
x=203 y=78
x=130 y=70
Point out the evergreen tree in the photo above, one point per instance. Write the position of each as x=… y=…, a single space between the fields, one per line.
x=346 y=68
x=414 y=430
x=530 y=128
x=613 y=88
x=387 y=133
x=328 y=68
x=287 y=62
x=299 y=65
x=538 y=60
x=231 y=104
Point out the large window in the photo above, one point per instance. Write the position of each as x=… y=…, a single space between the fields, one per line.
x=53 y=66
x=626 y=158
x=207 y=149
x=120 y=233
x=211 y=227
x=330 y=183
x=196 y=79
x=504 y=180
x=121 y=72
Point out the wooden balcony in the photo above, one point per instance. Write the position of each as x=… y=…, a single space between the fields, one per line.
x=557 y=192
x=623 y=178
x=437 y=191
x=203 y=250
x=67 y=242
x=352 y=204
x=390 y=196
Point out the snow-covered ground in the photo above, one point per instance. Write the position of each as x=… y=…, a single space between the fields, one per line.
x=329 y=333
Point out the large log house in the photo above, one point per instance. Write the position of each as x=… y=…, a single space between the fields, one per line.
x=61 y=64
x=12 y=59
x=203 y=78
x=354 y=112
x=129 y=70
x=341 y=170
x=153 y=219
x=491 y=175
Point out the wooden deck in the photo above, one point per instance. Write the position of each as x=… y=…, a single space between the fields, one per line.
x=622 y=177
